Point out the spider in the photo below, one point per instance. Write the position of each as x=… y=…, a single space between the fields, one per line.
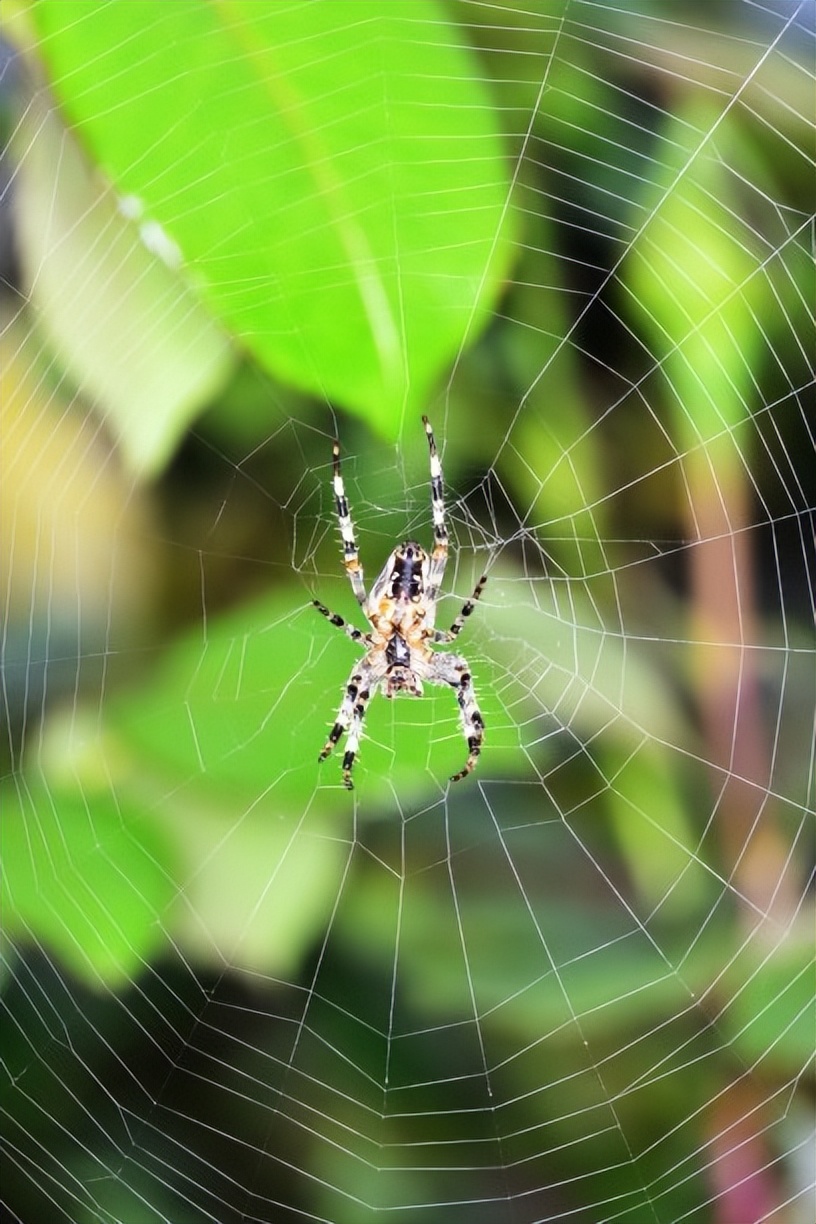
x=401 y=609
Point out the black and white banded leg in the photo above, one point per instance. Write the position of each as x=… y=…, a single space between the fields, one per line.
x=351 y=631
x=353 y=738
x=453 y=670
x=449 y=635
x=439 y=556
x=350 y=719
x=351 y=557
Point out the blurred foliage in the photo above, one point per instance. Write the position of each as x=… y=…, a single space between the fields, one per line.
x=246 y=229
x=309 y=225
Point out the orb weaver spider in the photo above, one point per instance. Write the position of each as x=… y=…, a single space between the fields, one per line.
x=401 y=609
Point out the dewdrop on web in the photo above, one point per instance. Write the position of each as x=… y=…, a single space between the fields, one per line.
x=153 y=235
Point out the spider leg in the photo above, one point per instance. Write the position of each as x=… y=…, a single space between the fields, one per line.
x=454 y=670
x=442 y=635
x=350 y=718
x=351 y=557
x=351 y=631
x=439 y=556
x=353 y=738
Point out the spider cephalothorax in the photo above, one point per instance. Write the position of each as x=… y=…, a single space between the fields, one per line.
x=401 y=609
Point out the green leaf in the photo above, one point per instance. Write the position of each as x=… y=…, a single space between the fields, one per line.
x=331 y=173
x=258 y=888
x=130 y=332
x=117 y=843
x=771 y=1011
x=84 y=875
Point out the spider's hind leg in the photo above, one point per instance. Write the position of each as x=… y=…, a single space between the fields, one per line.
x=350 y=719
x=454 y=670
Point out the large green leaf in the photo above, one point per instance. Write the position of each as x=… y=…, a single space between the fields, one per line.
x=129 y=330
x=331 y=174
x=86 y=875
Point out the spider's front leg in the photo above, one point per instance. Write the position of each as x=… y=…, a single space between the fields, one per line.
x=350 y=718
x=351 y=556
x=439 y=556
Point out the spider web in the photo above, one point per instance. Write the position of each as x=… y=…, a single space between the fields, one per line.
x=577 y=985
